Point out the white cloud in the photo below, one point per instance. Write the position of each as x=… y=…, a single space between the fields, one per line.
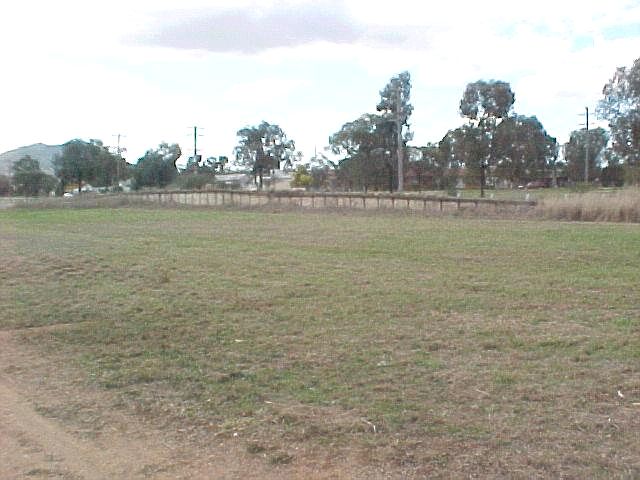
x=70 y=69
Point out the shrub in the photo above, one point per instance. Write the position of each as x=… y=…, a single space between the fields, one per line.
x=194 y=181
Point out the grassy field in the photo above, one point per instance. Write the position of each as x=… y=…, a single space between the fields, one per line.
x=445 y=347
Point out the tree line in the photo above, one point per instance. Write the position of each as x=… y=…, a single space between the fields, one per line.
x=495 y=146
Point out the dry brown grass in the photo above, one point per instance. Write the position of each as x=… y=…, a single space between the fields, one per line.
x=600 y=206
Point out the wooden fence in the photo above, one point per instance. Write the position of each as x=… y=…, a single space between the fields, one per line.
x=325 y=200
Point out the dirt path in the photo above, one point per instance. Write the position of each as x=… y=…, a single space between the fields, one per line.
x=36 y=446
x=33 y=445
x=42 y=435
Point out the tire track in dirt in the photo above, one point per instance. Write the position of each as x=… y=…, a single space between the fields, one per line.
x=32 y=446
x=44 y=448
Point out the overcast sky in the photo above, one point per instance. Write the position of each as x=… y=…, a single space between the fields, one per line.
x=151 y=70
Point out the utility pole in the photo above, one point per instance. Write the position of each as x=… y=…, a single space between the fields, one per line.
x=399 y=138
x=119 y=153
x=586 y=147
x=195 y=144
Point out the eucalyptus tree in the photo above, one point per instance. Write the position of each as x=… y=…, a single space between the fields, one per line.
x=463 y=147
x=76 y=164
x=621 y=107
x=157 y=168
x=89 y=162
x=264 y=148
x=523 y=150
x=485 y=104
x=575 y=152
x=395 y=107
x=365 y=146
x=29 y=179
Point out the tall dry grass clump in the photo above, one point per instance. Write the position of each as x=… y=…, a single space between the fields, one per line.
x=599 y=206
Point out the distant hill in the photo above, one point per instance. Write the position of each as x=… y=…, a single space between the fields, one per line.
x=41 y=152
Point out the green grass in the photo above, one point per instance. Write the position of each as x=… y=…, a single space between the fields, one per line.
x=473 y=346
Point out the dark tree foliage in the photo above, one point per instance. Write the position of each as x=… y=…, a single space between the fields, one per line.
x=197 y=174
x=501 y=145
x=366 y=145
x=523 y=150
x=395 y=109
x=485 y=104
x=89 y=162
x=5 y=186
x=432 y=170
x=322 y=172
x=158 y=167
x=29 y=180
x=621 y=107
x=322 y=177
x=394 y=99
x=575 y=153
x=612 y=175
x=264 y=148
x=466 y=146
x=76 y=164
x=482 y=99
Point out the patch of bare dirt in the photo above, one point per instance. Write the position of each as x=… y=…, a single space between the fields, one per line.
x=52 y=426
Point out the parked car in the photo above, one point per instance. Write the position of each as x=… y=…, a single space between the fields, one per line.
x=538 y=184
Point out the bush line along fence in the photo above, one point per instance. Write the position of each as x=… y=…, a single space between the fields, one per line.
x=325 y=200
